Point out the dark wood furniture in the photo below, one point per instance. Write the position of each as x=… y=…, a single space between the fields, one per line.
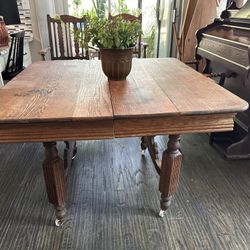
x=74 y=101
x=15 y=57
x=141 y=46
x=225 y=46
x=65 y=38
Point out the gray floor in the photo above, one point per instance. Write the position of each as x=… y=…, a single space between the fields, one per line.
x=114 y=200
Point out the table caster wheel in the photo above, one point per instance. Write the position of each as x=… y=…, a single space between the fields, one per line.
x=143 y=152
x=74 y=153
x=58 y=222
x=161 y=213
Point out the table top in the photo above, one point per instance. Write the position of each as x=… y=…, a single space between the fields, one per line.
x=68 y=91
x=160 y=87
x=78 y=90
x=57 y=90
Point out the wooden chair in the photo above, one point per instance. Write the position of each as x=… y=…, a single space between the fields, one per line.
x=15 y=58
x=65 y=38
x=140 y=45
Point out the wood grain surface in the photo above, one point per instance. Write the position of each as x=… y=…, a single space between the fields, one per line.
x=114 y=199
x=57 y=90
x=69 y=100
x=56 y=100
x=199 y=14
x=165 y=87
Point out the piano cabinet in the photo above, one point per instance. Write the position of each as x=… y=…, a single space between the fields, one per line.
x=225 y=46
x=235 y=144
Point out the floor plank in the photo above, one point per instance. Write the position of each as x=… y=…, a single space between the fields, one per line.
x=114 y=199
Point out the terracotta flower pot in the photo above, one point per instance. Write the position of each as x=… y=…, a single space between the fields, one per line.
x=116 y=63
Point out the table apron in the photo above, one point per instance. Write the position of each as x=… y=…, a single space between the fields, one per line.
x=173 y=125
x=108 y=129
x=56 y=131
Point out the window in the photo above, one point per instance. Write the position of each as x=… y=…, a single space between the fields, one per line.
x=149 y=21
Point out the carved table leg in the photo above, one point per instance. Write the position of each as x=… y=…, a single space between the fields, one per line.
x=170 y=170
x=69 y=153
x=54 y=175
x=143 y=144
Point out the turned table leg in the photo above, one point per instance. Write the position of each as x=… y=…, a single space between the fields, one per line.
x=54 y=176
x=170 y=171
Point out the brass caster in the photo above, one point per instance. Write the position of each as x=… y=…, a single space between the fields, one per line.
x=58 y=222
x=162 y=213
x=74 y=154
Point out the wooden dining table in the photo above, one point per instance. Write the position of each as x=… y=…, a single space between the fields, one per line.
x=73 y=100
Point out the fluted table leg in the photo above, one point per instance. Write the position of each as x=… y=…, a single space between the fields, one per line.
x=170 y=171
x=54 y=176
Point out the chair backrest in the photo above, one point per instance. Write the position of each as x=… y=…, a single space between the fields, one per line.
x=128 y=17
x=15 y=58
x=66 y=38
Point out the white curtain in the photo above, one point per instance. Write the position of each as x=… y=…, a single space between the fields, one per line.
x=166 y=12
x=61 y=7
x=51 y=7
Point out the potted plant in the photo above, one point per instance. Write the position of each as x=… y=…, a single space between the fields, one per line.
x=116 y=39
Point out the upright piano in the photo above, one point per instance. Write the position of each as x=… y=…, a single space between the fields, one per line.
x=224 y=45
